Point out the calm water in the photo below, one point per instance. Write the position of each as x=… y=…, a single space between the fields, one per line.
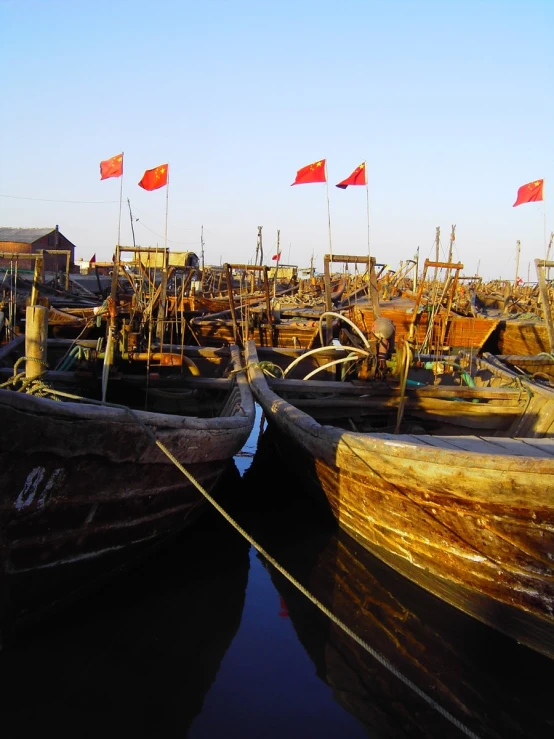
x=206 y=639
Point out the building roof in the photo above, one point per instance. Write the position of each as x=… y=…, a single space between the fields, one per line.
x=24 y=235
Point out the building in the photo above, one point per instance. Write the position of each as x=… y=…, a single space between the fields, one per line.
x=32 y=240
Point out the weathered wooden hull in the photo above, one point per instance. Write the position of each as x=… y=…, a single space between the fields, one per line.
x=523 y=337
x=539 y=366
x=80 y=483
x=287 y=334
x=454 y=520
x=456 y=332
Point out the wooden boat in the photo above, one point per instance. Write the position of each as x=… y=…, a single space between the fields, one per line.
x=85 y=482
x=482 y=678
x=531 y=334
x=538 y=367
x=460 y=500
x=522 y=336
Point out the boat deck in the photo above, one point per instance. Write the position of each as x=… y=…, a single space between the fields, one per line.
x=543 y=448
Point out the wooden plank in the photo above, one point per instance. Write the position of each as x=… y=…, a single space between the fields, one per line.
x=180 y=383
x=440 y=442
x=477 y=444
x=442 y=405
x=519 y=447
x=381 y=389
x=547 y=445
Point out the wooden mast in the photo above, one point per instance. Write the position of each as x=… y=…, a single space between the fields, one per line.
x=540 y=266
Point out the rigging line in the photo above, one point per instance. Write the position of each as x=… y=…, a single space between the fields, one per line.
x=49 y=200
x=368 y=648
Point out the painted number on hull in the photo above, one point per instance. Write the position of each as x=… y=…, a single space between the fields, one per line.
x=36 y=486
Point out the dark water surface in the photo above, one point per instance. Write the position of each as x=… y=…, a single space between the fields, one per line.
x=206 y=639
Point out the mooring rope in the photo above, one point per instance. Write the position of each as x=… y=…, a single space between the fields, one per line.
x=368 y=648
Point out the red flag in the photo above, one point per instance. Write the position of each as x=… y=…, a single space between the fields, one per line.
x=277 y=256
x=312 y=173
x=111 y=167
x=356 y=178
x=92 y=260
x=152 y=179
x=529 y=193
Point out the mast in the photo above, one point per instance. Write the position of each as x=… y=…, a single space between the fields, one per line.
x=132 y=227
x=277 y=265
x=202 y=246
x=259 y=248
x=518 y=251
x=437 y=251
x=452 y=240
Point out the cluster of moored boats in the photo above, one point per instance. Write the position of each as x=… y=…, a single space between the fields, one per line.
x=427 y=430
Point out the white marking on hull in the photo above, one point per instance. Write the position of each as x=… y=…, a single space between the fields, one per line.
x=32 y=484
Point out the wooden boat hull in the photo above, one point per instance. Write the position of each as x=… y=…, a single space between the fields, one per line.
x=454 y=520
x=523 y=337
x=85 y=485
x=456 y=332
x=537 y=367
x=287 y=334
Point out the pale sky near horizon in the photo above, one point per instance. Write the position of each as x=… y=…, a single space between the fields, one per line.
x=450 y=103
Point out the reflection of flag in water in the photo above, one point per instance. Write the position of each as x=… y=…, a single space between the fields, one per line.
x=284 y=612
x=530 y=193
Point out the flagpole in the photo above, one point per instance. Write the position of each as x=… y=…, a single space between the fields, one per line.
x=166 y=207
x=328 y=211
x=120 y=200
x=544 y=223
x=277 y=266
x=367 y=202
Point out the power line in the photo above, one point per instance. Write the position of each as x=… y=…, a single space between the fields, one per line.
x=47 y=200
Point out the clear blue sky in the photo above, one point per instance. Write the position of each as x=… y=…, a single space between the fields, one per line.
x=450 y=103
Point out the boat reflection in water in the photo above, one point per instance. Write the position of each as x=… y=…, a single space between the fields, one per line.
x=488 y=682
x=137 y=658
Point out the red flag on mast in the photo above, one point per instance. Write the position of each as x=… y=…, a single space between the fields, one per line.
x=92 y=260
x=277 y=256
x=111 y=167
x=311 y=173
x=530 y=193
x=357 y=177
x=152 y=179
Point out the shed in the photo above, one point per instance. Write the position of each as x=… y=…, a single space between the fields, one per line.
x=32 y=240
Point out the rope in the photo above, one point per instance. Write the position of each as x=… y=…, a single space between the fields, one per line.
x=373 y=652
